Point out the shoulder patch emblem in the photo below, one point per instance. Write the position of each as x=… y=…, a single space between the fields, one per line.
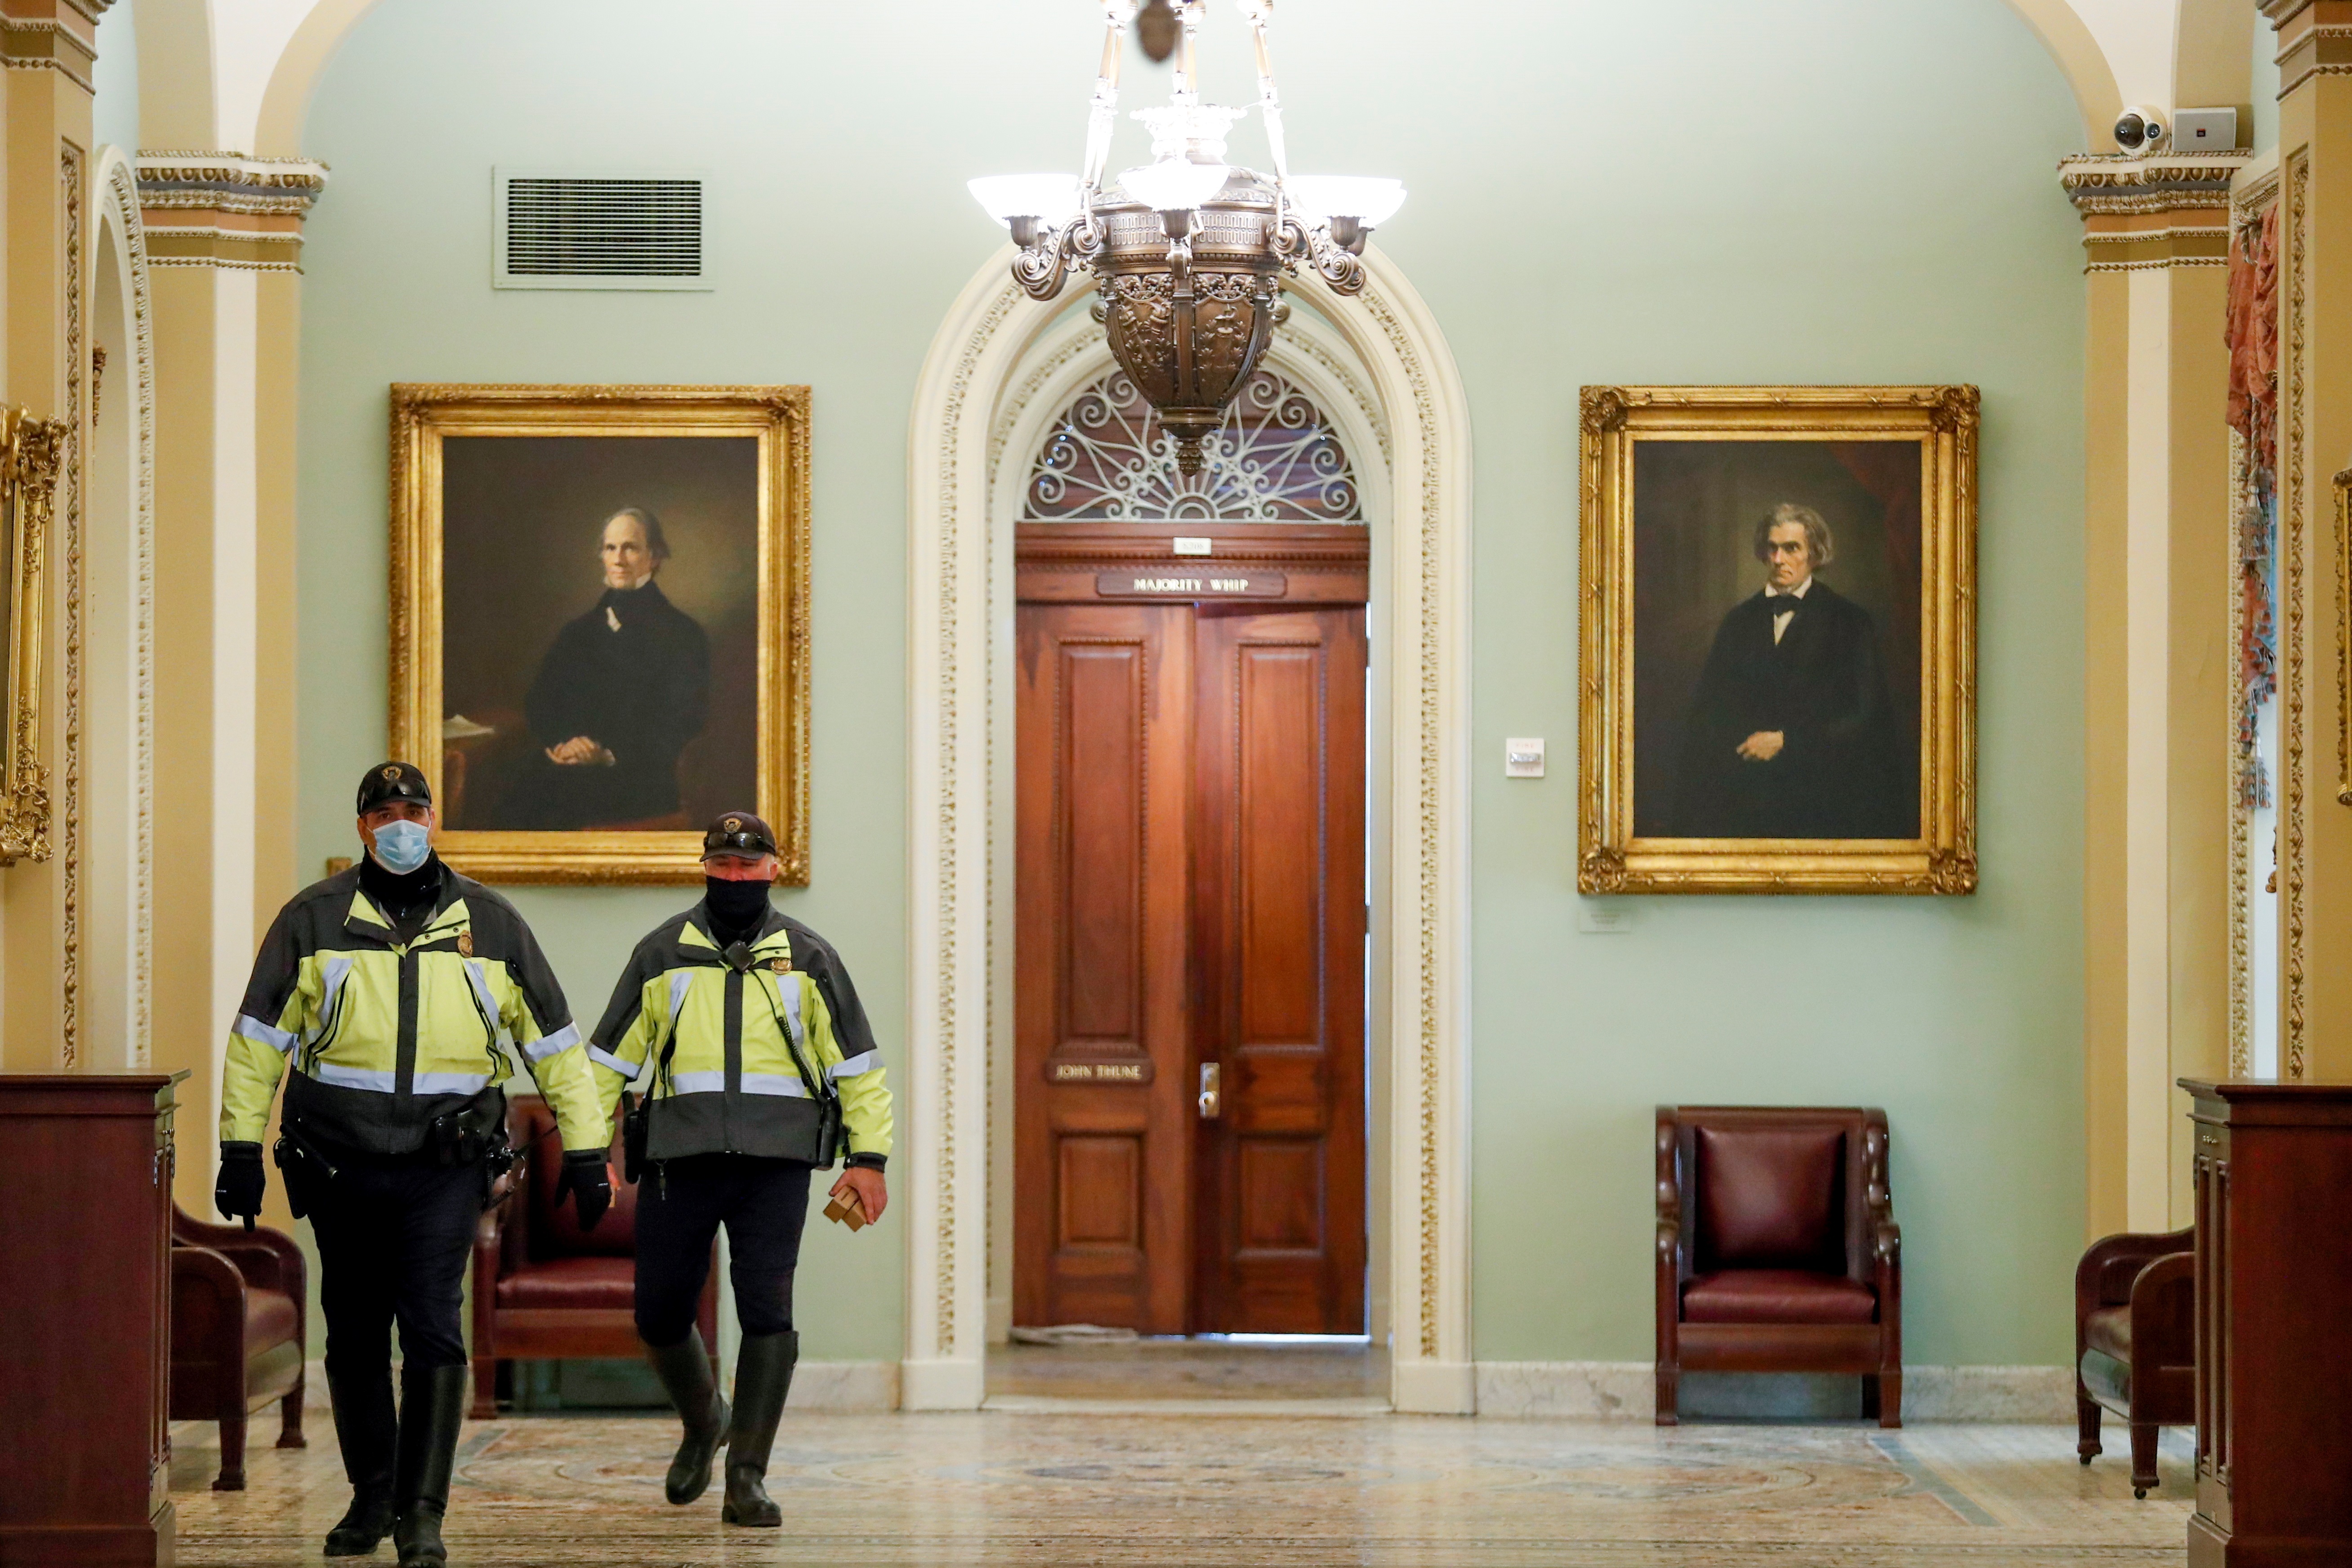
x=466 y=944
x=781 y=965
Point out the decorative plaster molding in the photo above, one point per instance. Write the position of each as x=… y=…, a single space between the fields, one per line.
x=229 y=181
x=120 y=197
x=42 y=43
x=227 y=210
x=2294 y=506
x=2115 y=184
x=70 y=182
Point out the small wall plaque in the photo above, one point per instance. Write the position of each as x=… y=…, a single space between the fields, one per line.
x=1191 y=584
x=1137 y=1071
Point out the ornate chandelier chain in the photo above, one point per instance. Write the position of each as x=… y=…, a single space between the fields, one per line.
x=1187 y=252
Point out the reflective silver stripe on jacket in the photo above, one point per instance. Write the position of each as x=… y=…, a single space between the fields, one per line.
x=498 y=1031
x=261 y=1034
x=385 y=1082
x=337 y=970
x=546 y=1046
x=864 y=1061
x=783 y=1085
x=606 y=1059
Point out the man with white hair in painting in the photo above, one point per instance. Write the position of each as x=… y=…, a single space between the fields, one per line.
x=1791 y=733
x=623 y=689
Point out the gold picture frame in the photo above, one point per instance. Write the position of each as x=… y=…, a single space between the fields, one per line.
x=425 y=416
x=32 y=453
x=1621 y=851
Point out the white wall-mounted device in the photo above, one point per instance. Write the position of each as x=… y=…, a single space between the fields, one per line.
x=1522 y=758
x=2205 y=131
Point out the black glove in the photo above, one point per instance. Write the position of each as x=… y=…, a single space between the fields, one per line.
x=589 y=1183
x=237 y=1192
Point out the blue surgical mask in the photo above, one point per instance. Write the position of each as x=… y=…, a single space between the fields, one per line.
x=402 y=846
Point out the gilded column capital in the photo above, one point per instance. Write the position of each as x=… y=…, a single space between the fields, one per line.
x=58 y=35
x=2314 y=38
x=224 y=209
x=2145 y=213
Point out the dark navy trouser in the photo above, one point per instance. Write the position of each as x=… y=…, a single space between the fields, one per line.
x=394 y=1241
x=681 y=1203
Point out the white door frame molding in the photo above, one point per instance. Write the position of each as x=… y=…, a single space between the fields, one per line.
x=1419 y=806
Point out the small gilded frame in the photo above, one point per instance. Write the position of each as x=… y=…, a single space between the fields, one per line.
x=600 y=633
x=32 y=452
x=1776 y=682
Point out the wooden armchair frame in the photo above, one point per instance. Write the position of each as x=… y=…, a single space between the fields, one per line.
x=2155 y=1276
x=502 y=1246
x=1874 y=1253
x=214 y=1266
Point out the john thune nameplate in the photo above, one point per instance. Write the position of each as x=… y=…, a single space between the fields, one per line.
x=1165 y=584
x=1100 y=1072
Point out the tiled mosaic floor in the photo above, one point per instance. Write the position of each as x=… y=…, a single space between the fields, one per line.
x=995 y=1487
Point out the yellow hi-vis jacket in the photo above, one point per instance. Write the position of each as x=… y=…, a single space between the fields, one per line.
x=732 y=1084
x=384 y=1036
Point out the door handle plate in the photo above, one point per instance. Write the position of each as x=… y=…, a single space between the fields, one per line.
x=1211 y=1095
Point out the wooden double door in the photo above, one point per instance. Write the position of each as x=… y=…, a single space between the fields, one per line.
x=1190 y=1112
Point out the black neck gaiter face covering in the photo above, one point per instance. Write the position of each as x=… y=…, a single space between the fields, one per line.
x=738 y=910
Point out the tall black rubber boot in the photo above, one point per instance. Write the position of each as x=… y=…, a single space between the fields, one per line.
x=764 y=1377
x=366 y=1429
x=432 y=1408
x=685 y=1372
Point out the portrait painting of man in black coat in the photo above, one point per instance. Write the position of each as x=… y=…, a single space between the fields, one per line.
x=623 y=689
x=1791 y=732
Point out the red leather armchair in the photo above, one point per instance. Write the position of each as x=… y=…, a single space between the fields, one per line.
x=238 y=1332
x=1778 y=1249
x=545 y=1289
x=2136 y=1342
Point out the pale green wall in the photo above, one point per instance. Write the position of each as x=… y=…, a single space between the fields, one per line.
x=1712 y=192
x=115 y=105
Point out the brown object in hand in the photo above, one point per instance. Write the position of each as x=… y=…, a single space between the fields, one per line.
x=847 y=1210
x=1778 y=1249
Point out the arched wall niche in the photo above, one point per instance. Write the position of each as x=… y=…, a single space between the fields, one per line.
x=117 y=664
x=997 y=371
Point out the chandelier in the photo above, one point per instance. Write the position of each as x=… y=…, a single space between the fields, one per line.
x=1188 y=251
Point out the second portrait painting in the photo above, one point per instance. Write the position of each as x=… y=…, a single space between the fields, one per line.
x=1777 y=588
x=601 y=596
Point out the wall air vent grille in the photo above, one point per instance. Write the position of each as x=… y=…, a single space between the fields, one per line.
x=599 y=231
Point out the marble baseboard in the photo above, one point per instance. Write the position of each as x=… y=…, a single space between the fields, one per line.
x=1628 y=1391
x=862 y=1385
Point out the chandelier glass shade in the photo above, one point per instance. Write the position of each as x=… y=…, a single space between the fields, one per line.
x=1187 y=252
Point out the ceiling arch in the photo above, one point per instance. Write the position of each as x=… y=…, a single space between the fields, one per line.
x=267 y=55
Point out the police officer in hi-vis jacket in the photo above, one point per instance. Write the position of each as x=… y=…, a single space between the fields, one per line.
x=763 y=1065
x=393 y=991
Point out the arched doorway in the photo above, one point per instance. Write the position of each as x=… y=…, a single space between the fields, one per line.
x=1000 y=370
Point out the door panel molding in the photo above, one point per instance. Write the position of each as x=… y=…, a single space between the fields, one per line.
x=994 y=368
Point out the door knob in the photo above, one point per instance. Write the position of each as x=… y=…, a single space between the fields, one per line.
x=1211 y=1101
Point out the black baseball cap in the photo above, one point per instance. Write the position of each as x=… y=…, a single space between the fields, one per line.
x=389 y=781
x=737 y=833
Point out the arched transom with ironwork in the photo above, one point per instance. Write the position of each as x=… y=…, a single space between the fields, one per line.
x=1275 y=458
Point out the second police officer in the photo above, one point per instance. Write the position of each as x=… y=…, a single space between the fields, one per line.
x=391 y=990
x=762 y=1067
